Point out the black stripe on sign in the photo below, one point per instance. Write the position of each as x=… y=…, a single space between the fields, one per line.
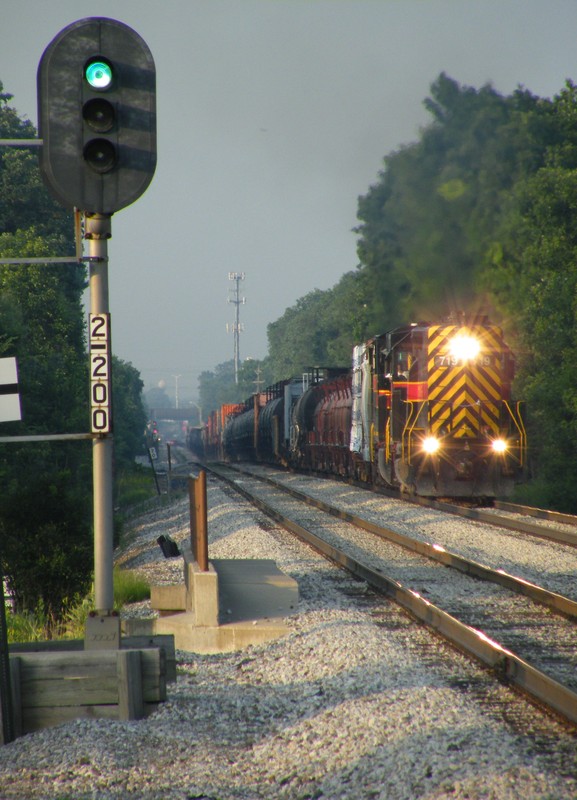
x=8 y=388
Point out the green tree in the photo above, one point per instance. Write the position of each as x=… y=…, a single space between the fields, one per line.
x=129 y=412
x=296 y=340
x=426 y=225
x=45 y=524
x=479 y=214
x=532 y=271
x=219 y=386
x=322 y=327
x=45 y=519
x=46 y=508
x=24 y=202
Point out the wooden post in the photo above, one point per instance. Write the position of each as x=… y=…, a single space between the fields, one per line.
x=16 y=696
x=129 y=672
x=6 y=707
x=198 y=520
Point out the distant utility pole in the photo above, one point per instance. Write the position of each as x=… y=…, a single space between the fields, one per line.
x=258 y=382
x=236 y=327
x=176 y=377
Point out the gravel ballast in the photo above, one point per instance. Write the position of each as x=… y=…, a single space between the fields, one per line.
x=357 y=701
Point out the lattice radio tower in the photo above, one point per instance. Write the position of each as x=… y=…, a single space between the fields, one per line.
x=237 y=327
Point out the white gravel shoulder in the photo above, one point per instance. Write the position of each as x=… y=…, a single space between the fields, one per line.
x=357 y=701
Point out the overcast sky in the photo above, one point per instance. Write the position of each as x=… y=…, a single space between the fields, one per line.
x=273 y=117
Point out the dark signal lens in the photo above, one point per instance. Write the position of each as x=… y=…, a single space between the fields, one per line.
x=100 y=154
x=99 y=115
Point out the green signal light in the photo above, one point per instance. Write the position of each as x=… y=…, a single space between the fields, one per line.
x=98 y=74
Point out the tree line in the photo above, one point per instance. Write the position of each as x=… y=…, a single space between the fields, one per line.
x=477 y=215
x=46 y=539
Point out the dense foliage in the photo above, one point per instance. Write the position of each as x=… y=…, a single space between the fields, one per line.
x=130 y=415
x=477 y=215
x=46 y=507
x=533 y=273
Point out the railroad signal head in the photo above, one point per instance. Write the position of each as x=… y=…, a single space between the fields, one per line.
x=97 y=115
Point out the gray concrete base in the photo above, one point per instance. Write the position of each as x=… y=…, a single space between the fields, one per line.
x=237 y=603
x=209 y=640
x=253 y=589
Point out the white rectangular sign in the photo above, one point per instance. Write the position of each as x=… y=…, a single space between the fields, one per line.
x=9 y=397
x=100 y=383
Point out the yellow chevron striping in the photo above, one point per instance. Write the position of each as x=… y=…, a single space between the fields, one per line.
x=465 y=395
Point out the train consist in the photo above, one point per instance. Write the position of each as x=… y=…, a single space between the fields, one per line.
x=426 y=408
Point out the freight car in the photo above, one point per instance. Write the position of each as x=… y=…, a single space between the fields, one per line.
x=426 y=408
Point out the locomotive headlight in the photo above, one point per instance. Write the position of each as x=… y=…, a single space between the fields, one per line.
x=464 y=347
x=431 y=444
x=499 y=445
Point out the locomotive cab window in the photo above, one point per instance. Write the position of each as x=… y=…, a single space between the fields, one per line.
x=406 y=366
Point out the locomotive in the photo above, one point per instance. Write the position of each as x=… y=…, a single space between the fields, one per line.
x=425 y=408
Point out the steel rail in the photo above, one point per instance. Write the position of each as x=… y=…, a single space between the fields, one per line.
x=520 y=526
x=556 y=602
x=537 y=513
x=506 y=665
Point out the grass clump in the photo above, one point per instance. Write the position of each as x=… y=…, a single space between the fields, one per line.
x=134 y=486
x=129 y=587
x=26 y=627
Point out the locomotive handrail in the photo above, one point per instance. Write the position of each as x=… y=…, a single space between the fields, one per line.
x=388 y=440
x=406 y=434
x=518 y=422
x=372 y=439
x=411 y=426
x=523 y=432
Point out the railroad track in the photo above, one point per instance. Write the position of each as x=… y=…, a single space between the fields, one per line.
x=504 y=621
x=552 y=525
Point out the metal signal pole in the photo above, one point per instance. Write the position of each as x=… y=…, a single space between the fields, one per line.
x=98 y=231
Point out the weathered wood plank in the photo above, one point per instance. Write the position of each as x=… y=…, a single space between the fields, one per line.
x=165 y=641
x=129 y=671
x=86 y=677
x=162 y=640
x=13 y=724
x=38 y=717
x=35 y=719
x=68 y=679
x=154 y=675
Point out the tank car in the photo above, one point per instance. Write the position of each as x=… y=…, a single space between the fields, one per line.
x=259 y=429
x=321 y=423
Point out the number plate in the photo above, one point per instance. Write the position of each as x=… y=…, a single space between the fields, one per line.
x=453 y=361
x=100 y=377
